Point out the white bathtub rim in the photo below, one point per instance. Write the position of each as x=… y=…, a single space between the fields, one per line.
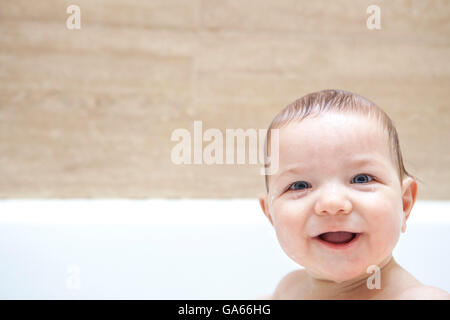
x=155 y=211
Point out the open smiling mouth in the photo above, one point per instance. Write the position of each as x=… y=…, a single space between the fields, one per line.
x=338 y=239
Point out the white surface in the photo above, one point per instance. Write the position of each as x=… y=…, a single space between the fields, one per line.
x=172 y=249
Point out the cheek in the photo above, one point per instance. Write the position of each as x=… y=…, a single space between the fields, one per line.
x=289 y=223
x=384 y=219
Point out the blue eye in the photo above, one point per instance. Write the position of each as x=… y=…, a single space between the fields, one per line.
x=362 y=178
x=299 y=185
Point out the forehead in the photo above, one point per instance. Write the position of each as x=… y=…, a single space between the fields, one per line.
x=332 y=138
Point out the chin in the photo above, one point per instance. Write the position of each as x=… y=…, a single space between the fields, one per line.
x=342 y=273
x=346 y=277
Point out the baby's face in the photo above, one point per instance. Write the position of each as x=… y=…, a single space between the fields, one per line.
x=336 y=174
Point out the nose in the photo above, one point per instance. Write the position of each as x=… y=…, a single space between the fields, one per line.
x=332 y=201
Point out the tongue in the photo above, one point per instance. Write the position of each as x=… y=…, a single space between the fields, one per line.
x=337 y=237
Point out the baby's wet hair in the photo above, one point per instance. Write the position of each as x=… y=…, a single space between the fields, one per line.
x=340 y=101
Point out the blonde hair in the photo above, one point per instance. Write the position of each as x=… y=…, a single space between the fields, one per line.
x=339 y=101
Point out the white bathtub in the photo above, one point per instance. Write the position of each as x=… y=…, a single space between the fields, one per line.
x=172 y=249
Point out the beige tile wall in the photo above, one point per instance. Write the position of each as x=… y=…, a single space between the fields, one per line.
x=90 y=112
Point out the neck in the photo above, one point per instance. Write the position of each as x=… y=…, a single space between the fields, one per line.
x=356 y=287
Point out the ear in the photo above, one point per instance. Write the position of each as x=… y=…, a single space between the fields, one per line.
x=263 y=203
x=409 y=193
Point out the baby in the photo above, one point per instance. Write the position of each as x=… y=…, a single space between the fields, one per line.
x=339 y=200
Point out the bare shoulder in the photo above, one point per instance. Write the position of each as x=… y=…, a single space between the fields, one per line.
x=423 y=292
x=284 y=287
x=288 y=285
